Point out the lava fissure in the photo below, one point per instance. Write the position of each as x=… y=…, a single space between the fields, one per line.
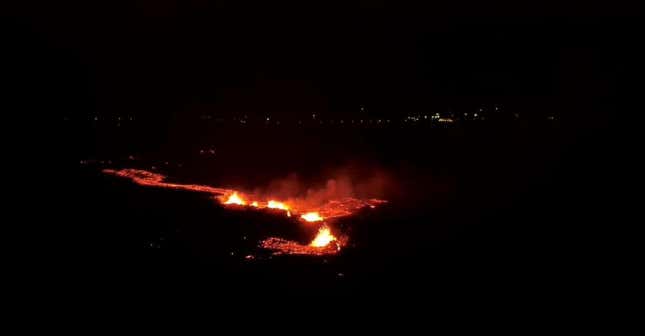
x=324 y=243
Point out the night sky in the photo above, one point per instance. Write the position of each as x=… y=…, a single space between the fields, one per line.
x=179 y=58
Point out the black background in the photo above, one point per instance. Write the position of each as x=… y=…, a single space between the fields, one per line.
x=558 y=226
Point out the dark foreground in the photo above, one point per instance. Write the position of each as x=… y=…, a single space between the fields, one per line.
x=473 y=210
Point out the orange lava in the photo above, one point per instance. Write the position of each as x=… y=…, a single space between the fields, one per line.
x=149 y=179
x=234 y=198
x=311 y=217
x=323 y=238
x=282 y=246
x=323 y=244
x=277 y=205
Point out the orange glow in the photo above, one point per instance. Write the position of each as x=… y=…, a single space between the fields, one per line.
x=283 y=246
x=323 y=238
x=312 y=217
x=235 y=199
x=277 y=205
x=324 y=212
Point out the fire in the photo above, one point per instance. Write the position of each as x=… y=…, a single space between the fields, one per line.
x=235 y=199
x=325 y=212
x=277 y=205
x=312 y=217
x=323 y=238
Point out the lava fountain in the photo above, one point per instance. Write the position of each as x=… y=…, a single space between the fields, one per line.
x=235 y=199
x=323 y=238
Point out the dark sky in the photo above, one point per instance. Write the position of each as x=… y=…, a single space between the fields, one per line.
x=181 y=57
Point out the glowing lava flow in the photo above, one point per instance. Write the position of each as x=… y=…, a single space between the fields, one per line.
x=312 y=217
x=149 y=179
x=324 y=243
x=279 y=205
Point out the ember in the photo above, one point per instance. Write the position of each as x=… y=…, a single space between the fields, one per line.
x=283 y=246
